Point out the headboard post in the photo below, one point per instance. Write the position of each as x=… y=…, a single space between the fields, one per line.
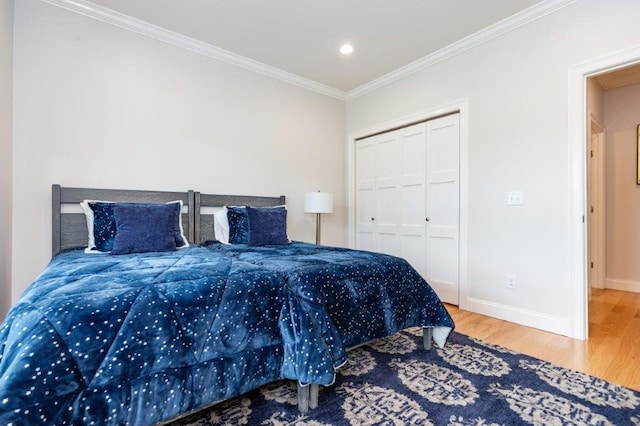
x=196 y=218
x=55 y=220
x=191 y=201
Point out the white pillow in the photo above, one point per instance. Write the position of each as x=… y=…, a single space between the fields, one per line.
x=221 y=225
x=88 y=212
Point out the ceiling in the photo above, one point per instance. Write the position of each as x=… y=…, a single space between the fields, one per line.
x=620 y=78
x=302 y=37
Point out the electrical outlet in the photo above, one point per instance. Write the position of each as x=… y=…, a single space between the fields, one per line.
x=514 y=198
x=511 y=282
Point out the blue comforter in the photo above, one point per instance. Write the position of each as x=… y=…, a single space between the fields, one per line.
x=138 y=339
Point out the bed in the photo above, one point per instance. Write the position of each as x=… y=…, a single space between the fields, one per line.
x=338 y=283
x=147 y=337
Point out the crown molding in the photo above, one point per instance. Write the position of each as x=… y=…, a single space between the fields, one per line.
x=511 y=23
x=121 y=20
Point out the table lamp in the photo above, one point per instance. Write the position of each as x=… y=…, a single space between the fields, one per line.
x=318 y=203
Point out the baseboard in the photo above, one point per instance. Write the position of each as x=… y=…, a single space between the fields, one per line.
x=533 y=319
x=624 y=285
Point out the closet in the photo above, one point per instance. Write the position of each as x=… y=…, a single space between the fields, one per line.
x=407 y=199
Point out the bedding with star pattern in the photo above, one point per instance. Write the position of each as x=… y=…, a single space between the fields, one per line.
x=145 y=337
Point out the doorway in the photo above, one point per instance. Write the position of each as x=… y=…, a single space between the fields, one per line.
x=616 y=98
x=579 y=136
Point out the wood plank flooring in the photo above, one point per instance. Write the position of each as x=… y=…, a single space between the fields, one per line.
x=611 y=353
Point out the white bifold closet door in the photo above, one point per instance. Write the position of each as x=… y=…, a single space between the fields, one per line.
x=390 y=191
x=407 y=199
x=443 y=207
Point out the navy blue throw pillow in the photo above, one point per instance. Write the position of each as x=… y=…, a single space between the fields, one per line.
x=144 y=227
x=267 y=226
x=238 y=225
x=104 y=224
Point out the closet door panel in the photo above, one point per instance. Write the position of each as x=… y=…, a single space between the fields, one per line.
x=365 y=209
x=388 y=203
x=387 y=165
x=412 y=221
x=413 y=251
x=413 y=152
x=365 y=195
x=412 y=208
x=443 y=206
x=366 y=241
x=388 y=197
x=443 y=267
x=388 y=243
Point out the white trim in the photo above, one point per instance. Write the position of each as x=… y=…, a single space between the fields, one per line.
x=597 y=243
x=461 y=106
x=533 y=319
x=463 y=289
x=509 y=24
x=577 y=127
x=624 y=285
x=121 y=20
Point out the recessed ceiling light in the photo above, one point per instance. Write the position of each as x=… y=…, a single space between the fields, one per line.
x=346 y=49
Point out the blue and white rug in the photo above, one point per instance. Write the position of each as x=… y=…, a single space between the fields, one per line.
x=394 y=381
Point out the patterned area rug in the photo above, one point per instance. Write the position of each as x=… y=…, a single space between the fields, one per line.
x=394 y=381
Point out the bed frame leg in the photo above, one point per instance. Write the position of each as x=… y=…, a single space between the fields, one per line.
x=427 y=337
x=313 y=395
x=307 y=397
x=303 y=398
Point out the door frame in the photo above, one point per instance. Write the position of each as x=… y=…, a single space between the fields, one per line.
x=596 y=238
x=577 y=144
x=460 y=106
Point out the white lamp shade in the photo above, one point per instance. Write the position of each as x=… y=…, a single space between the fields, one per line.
x=318 y=202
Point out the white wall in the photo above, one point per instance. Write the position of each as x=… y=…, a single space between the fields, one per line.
x=6 y=129
x=517 y=86
x=99 y=106
x=622 y=116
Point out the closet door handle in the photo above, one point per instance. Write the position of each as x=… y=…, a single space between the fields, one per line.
x=372 y=219
x=426 y=219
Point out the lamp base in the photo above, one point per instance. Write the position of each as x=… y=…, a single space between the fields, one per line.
x=318 y=227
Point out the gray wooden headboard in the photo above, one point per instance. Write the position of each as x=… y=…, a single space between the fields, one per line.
x=203 y=221
x=70 y=228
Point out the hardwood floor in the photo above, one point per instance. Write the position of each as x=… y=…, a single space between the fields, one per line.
x=611 y=353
